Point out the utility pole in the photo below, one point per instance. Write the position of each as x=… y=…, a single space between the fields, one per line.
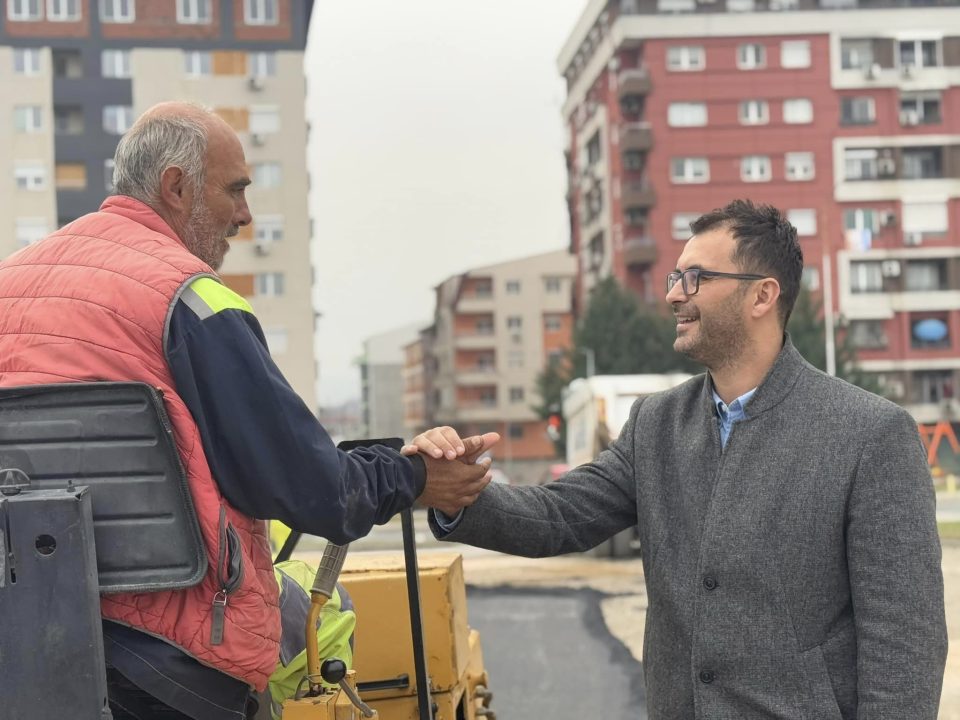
x=591 y=360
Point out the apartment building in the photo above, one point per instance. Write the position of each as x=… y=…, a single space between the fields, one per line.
x=382 y=382
x=77 y=73
x=495 y=329
x=845 y=113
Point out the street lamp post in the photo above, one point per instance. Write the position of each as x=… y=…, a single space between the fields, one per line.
x=591 y=360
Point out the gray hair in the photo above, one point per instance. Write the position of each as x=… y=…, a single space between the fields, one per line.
x=152 y=145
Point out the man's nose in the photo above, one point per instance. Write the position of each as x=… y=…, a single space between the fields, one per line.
x=676 y=294
x=243 y=216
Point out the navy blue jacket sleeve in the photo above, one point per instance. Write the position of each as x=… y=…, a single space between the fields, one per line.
x=269 y=455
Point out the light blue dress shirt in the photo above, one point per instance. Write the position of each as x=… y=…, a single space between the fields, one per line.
x=727 y=415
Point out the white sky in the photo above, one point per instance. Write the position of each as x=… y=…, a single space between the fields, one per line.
x=436 y=146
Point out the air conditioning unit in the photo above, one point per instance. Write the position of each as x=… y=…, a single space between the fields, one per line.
x=262 y=247
x=890 y=268
x=255 y=83
x=872 y=71
x=909 y=117
x=913 y=238
x=258 y=139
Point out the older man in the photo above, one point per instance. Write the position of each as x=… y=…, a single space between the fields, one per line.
x=130 y=293
x=787 y=519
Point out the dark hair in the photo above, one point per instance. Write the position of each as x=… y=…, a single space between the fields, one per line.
x=766 y=244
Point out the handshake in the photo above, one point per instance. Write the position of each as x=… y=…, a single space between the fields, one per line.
x=455 y=477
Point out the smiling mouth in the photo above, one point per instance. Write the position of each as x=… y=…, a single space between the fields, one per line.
x=685 y=321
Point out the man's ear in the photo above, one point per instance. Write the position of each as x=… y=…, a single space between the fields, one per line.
x=765 y=298
x=173 y=188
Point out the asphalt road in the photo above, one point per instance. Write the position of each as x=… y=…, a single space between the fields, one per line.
x=550 y=655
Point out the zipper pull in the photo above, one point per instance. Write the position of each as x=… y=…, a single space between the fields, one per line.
x=219 y=617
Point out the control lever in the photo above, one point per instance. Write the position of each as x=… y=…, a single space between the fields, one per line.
x=324 y=584
x=334 y=671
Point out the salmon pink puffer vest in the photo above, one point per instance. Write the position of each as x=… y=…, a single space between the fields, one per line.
x=89 y=303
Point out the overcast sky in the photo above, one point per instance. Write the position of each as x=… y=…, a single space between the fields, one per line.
x=437 y=146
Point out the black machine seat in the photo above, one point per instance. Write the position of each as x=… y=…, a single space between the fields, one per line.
x=116 y=439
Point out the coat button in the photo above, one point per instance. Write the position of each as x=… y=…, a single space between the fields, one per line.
x=709 y=582
x=706 y=677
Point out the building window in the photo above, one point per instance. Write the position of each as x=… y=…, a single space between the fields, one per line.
x=277 y=339
x=633 y=160
x=636 y=216
x=30 y=230
x=552 y=284
x=30 y=175
x=932 y=386
x=268 y=229
x=856 y=54
x=799 y=166
x=754 y=112
x=63 y=10
x=260 y=12
x=483 y=326
x=117 y=11
x=810 y=278
x=26 y=61
x=919 y=53
x=270 y=284
x=594 y=150
x=197 y=63
x=859 y=110
x=117 y=119
x=513 y=287
x=680 y=225
x=67 y=63
x=487 y=396
x=261 y=64
x=595 y=253
x=24 y=10
x=867 y=334
x=866 y=277
x=797 y=111
x=805 y=221
x=795 y=54
x=264 y=119
x=925 y=218
x=70 y=176
x=115 y=63
x=919 y=109
x=193 y=12
x=108 y=167
x=553 y=323
x=68 y=120
x=751 y=56
x=926 y=276
x=28 y=118
x=860 y=219
x=267 y=175
x=687 y=114
x=516 y=394
x=685 y=58
x=515 y=431
x=755 y=168
x=482 y=288
x=515 y=323
x=689 y=170
x=922 y=163
x=860 y=164
x=515 y=359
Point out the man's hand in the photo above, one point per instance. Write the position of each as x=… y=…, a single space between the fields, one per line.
x=452 y=486
x=445 y=442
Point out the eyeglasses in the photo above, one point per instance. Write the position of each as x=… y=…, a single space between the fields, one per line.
x=691 y=278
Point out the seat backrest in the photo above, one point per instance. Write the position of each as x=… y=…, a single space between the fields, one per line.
x=116 y=439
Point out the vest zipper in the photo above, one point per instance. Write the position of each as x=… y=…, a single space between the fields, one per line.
x=229 y=576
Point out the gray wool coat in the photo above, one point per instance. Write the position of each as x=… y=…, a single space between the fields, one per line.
x=794 y=574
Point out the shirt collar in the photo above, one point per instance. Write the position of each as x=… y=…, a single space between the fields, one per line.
x=735 y=409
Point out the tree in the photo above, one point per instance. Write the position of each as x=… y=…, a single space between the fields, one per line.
x=808 y=333
x=624 y=338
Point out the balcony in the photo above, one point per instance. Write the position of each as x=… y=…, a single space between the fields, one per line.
x=637 y=194
x=635 y=136
x=633 y=82
x=639 y=251
x=474 y=340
